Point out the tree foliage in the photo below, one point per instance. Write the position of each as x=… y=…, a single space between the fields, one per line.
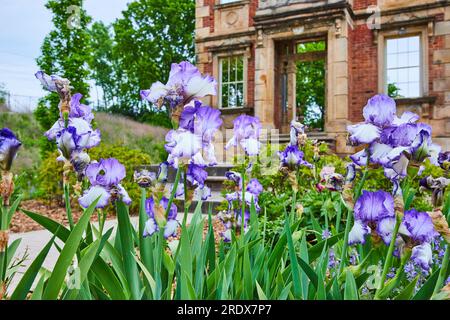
x=146 y=40
x=65 y=52
x=311 y=86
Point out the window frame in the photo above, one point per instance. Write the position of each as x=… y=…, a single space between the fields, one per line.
x=422 y=32
x=244 y=81
x=420 y=66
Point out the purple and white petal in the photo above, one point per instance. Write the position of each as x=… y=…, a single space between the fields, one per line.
x=374 y=206
x=254 y=187
x=9 y=145
x=385 y=228
x=92 y=194
x=363 y=133
x=406 y=117
x=422 y=255
x=200 y=86
x=202 y=193
x=420 y=226
x=380 y=110
x=251 y=146
x=124 y=195
x=358 y=233
x=150 y=227
x=360 y=158
x=156 y=92
x=171 y=228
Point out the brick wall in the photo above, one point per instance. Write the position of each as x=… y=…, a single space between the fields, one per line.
x=252 y=11
x=362 y=4
x=363 y=70
x=209 y=21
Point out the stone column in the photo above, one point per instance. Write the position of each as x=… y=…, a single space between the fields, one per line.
x=264 y=80
x=440 y=116
x=336 y=114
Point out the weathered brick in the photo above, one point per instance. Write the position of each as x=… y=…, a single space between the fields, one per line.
x=441 y=56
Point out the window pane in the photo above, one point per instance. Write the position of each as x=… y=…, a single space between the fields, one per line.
x=392 y=76
x=414 y=74
x=403 y=75
x=403 y=89
x=225 y=71
x=224 y=96
x=402 y=45
x=232 y=69
x=402 y=60
x=414 y=44
x=414 y=58
x=392 y=61
x=414 y=89
x=391 y=46
x=240 y=94
x=240 y=69
x=232 y=99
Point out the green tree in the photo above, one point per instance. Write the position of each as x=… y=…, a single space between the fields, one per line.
x=65 y=52
x=311 y=86
x=147 y=39
x=3 y=94
x=101 y=63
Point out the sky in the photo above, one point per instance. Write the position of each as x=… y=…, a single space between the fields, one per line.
x=23 y=26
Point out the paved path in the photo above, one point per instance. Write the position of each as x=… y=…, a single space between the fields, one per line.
x=33 y=242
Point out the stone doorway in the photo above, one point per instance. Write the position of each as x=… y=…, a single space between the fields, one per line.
x=300 y=83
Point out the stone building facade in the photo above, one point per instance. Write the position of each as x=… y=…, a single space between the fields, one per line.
x=250 y=47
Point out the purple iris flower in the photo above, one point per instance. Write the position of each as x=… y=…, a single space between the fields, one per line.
x=370 y=210
x=253 y=190
x=420 y=226
x=9 y=145
x=50 y=82
x=233 y=219
x=326 y=234
x=185 y=83
x=416 y=231
x=79 y=110
x=374 y=206
x=235 y=177
x=254 y=187
x=246 y=134
x=297 y=129
x=193 y=141
x=196 y=176
x=105 y=177
x=78 y=135
x=380 y=110
x=155 y=213
x=378 y=114
x=444 y=160
x=292 y=157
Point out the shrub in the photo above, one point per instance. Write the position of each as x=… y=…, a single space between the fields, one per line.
x=50 y=172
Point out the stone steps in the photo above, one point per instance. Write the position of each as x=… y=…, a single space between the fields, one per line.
x=216 y=177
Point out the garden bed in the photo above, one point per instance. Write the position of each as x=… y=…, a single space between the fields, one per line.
x=22 y=223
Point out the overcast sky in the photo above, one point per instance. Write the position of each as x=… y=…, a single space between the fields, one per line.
x=23 y=26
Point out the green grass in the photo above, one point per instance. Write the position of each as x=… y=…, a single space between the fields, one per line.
x=115 y=130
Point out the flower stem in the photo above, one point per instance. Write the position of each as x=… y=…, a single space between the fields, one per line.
x=243 y=202
x=67 y=203
x=443 y=271
x=388 y=263
x=349 y=219
x=174 y=190
x=345 y=244
x=186 y=199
